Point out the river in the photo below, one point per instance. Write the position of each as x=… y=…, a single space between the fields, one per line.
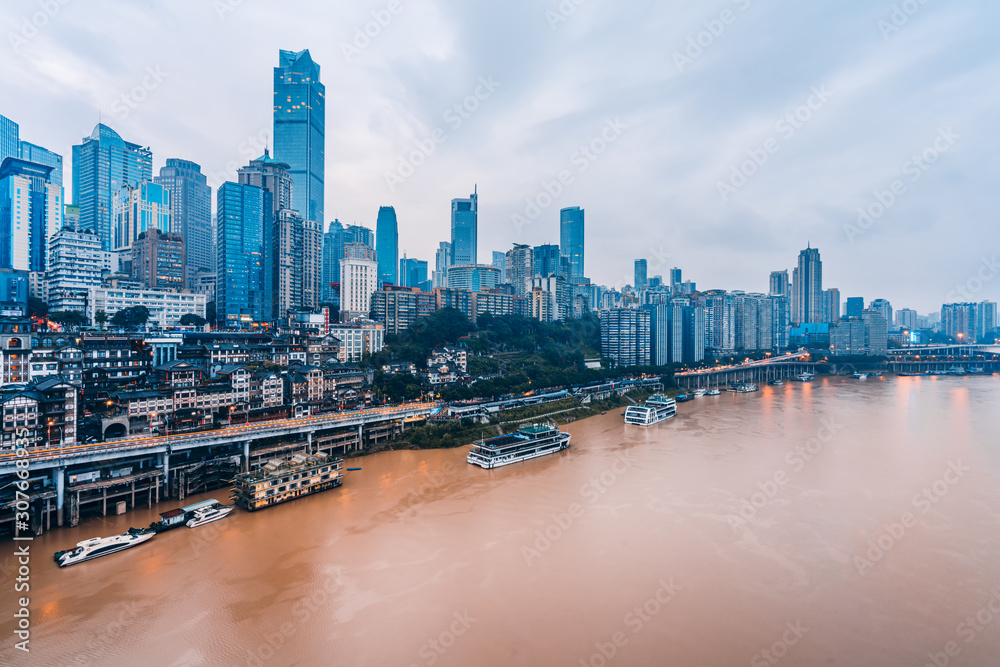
x=841 y=522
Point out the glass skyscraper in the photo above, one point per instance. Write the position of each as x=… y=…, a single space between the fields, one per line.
x=39 y=155
x=571 y=239
x=547 y=260
x=387 y=245
x=10 y=145
x=412 y=272
x=640 y=274
x=102 y=164
x=807 y=288
x=243 y=213
x=464 y=226
x=192 y=213
x=300 y=129
x=31 y=210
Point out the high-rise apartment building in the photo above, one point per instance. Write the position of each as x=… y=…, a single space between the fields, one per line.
x=244 y=211
x=464 y=229
x=387 y=245
x=625 y=336
x=640 y=274
x=855 y=306
x=807 y=288
x=300 y=129
x=571 y=240
x=831 y=304
x=442 y=259
x=358 y=280
x=906 y=319
x=158 y=260
x=876 y=333
x=547 y=260
x=138 y=209
x=191 y=213
x=76 y=263
x=102 y=164
x=883 y=306
x=520 y=268
x=500 y=261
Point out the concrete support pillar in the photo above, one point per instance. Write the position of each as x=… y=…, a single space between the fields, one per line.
x=59 y=477
x=361 y=436
x=309 y=442
x=166 y=474
x=246 y=456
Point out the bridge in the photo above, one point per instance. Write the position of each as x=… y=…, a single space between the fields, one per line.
x=932 y=358
x=945 y=350
x=234 y=441
x=762 y=370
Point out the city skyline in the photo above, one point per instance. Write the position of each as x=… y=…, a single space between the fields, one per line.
x=687 y=148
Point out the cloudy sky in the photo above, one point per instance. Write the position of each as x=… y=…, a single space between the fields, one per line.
x=720 y=137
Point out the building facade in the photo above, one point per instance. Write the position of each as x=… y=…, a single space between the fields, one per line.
x=244 y=211
x=31 y=210
x=358 y=280
x=807 y=288
x=625 y=336
x=464 y=229
x=387 y=245
x=191 y=212
x=158 y=260
x=571 y=240
x=300 y=129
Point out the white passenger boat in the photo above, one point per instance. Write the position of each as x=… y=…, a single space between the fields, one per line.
x=657 y=408
x=96 y=547
x=208 y=515
x=528 y=442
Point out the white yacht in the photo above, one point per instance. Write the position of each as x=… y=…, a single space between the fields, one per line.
x=528 y=442
x=744 y=387
x=804 y=377
x=861 y=376
x=700 y=392
x=657 y=408
x=714 y=391
x=208 y=515
x=96 y=547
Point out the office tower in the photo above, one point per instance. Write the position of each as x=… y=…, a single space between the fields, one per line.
x=442 y=259
x=292 y=256
x=906 y=319
x=640 y=274
x=571 y=242
x=500 y=261
x=675 y=279
x=243 y=211
x=76 y=263
x=876 y=333
x=464 y=229
x=625 y=336
x=300 y=129
x=333 y=248
x=883 y=306
x=271 y=174
x=102 y=164
x=986 y=318
x=780 y=312
x=719 y=321
x=39 y=155
x=694 y=334
x=158 y=260
x=549 y=298
x=847 y=337
x=831 y=304
x=10 y=143
x=855 y=306
x=138 y=209
x=547 y=260
x=359 y=234
x=358 y=280
x=473 y=277
x=191 y=213
x=412 y=272
x=778 y=284
x=31 y=209
x=387 y=245
x=807 y=286
x=520 y=268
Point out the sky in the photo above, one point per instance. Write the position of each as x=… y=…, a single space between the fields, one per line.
x=719 y=137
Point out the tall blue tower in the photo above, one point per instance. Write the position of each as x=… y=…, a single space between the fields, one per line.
x=387 y=245
x=300 y=129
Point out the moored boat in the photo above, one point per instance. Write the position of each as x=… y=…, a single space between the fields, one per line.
x=745 y=387
x=683 y=398
x=776 y=383
x=657 y=408
x=208 y=515
x=700 y=392
x=280 y=480
x=713 y=392
x=528 y=442
x=96 y=547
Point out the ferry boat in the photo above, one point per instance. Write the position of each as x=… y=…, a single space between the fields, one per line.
x=528 y=442
x=745 y=387
x=281 y=480
x=700 y=392
x=803 y=377
x=656 y=409
x=713 y=392
x=208 y=515
x=96 y=547
x=683 y=398
x=180 y=516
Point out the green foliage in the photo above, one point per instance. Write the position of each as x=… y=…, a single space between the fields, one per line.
x=210 y=312
x=190 y=319
x=70 y=318
x=134 y=316
x=482 y=366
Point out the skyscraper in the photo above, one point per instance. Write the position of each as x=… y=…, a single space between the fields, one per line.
x=500 y=261
x=102 y=164
x=333 y=249
x=675 y=280
x=412 y=272
x=300 y=129
x=883 y=306
x=31 y=212
x=158 y=260
x=387 y=245
x=625 y=336
x=547 y=260
x=778 y=283
x=831 y=304
x=855 y=306
x=442 y=259
x=358 y=280
x=464 y=229
x=807 y=285
x=39 y=155
x=243 y=213
x=640 y=274
x=138 y=209
x=10 y=143
x=520 y=268
x=571 y=239
x=191 y=200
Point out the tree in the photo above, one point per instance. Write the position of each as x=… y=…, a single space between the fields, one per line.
x=210 y=312
x=37 y=307
x=190 y=319
x=127 y=318
x=100 y=318
x=69 y=318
